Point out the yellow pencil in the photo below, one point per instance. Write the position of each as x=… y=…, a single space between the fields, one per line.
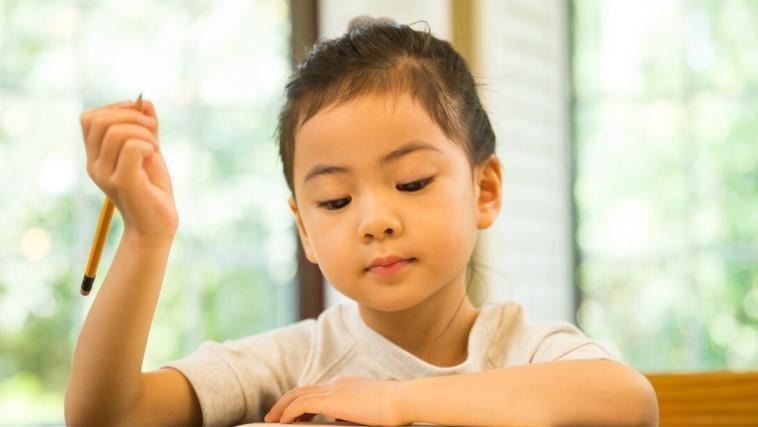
x=103 y=224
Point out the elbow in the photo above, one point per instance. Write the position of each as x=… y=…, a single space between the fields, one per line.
x=74 y=411
x=70 y=408
x=78 y=412
x=79 y=418
x=628 y=399
x=649 y=408
x=642 y=401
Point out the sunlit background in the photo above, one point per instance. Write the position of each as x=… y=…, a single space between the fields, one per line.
x=231 y=270
x=666 y=140
x=660 y=144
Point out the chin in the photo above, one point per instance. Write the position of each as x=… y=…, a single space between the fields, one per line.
x=391 y=301
x=386 y=306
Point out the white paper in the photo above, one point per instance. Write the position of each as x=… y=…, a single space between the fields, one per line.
x=322 y=424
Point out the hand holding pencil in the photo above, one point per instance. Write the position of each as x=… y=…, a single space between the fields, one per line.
x=124 y=160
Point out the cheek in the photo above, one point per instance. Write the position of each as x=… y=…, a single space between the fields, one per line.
x=451 y=206
x=450 y=243
x=336 y=256
x=448 y=237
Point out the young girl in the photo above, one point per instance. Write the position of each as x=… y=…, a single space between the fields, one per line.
x=390 y=160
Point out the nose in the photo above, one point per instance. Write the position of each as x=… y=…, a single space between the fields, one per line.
x=378 y=222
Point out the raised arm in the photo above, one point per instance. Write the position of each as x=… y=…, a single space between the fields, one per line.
x=106 y=386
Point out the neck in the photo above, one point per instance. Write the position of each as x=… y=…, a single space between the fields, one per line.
x=436 y=330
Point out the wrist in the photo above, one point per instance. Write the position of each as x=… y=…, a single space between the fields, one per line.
x=405 y=401
x=135 y=238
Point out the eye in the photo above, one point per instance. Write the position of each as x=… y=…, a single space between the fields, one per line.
x=414 y=186
x=334 y=205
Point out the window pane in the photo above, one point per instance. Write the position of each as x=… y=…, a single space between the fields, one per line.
x=625 y=48
x=667 y=181
x=215 y=72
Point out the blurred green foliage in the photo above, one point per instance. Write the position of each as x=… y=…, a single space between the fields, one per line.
x=215 y=72
x=666 y=122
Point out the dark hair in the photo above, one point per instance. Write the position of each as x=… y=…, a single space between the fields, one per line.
x=379 y=56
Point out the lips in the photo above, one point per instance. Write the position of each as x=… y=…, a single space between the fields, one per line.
x=388 y=265
x=386 y=261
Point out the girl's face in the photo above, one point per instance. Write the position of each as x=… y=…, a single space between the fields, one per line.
x=375 y=177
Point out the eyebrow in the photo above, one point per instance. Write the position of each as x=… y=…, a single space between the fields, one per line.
x=388 y=158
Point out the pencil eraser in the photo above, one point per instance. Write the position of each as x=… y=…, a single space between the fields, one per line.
x=87 y=283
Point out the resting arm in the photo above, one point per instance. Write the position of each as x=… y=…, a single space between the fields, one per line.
x=558 y=393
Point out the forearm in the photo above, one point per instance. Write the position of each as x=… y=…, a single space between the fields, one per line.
x=107 y=362
x=576 y=393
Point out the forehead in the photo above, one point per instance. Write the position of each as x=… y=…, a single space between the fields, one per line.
x=358 y=132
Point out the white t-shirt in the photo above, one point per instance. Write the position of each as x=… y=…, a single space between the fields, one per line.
x=238 y=381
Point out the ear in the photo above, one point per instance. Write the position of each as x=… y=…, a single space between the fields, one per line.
x=487 y=185
x=304 y=239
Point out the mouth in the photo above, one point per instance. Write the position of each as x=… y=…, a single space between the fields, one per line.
x=384 y=270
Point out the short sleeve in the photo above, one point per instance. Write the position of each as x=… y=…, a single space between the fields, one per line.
x=238 y=381
x=564 y=341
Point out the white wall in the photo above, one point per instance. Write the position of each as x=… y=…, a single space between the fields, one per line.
x=523 y=55
x=335 y=15
x=523 y=62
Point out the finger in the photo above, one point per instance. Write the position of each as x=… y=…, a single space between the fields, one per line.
x=100 y=123
x=148 y=109
x=86 y=116
x=108 y=116
x=114 y=140
x=109 y=106
x=305 y=418
x=307 y=404
x=276 y=411
x=130 y=160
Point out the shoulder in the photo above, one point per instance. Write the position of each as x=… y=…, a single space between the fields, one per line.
x=284 y=347
x=239 y=376
x=298 y=334
x=518 y=341
x=299 y=342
